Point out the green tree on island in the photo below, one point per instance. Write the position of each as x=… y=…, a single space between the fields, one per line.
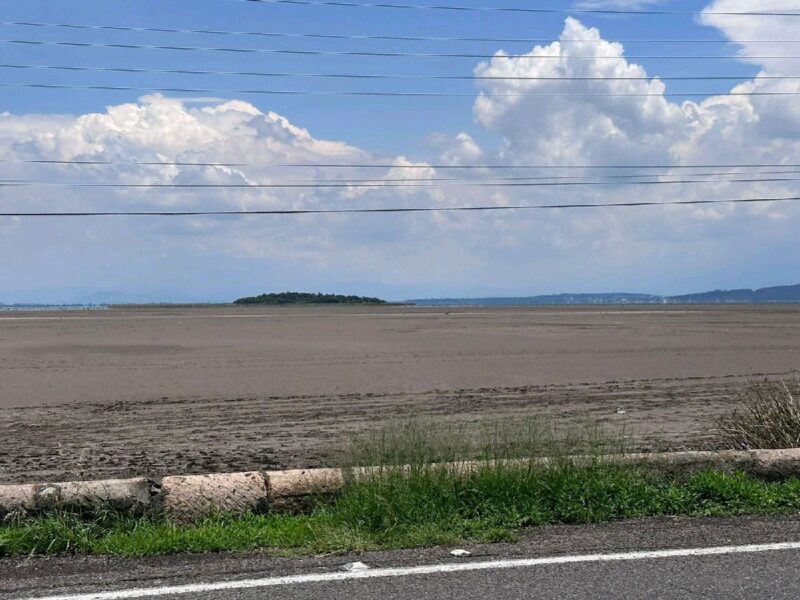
x=307 y=298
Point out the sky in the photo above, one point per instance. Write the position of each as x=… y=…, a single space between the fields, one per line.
x=667 y=250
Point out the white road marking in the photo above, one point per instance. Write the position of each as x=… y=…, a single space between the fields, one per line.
x=420 y=570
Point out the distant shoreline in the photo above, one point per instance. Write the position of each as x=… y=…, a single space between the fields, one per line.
x=32 y=307
x=389 y=307
x=786 y=294
x=467 y=303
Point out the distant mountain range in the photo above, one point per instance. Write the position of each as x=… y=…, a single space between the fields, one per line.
x=780 y=293
x=777 y=294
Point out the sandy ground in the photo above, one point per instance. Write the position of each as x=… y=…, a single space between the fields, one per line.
x=123 y=392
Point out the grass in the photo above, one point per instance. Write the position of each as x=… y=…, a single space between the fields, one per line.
x=424 y=503
x=427 y=507
x=768 y=416
x=418 y=442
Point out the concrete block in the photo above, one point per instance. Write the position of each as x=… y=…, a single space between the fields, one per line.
x=17 y=499
x=685 y=463
x=129 y=495
x=293 y=488
x=192 y=497
x=776 y=464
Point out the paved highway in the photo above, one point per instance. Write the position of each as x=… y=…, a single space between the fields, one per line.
x=663 y=558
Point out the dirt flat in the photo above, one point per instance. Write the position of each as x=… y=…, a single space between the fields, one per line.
x=146 y=391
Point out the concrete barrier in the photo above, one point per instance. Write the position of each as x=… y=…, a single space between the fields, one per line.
x=292 y=489
x=191 y=497
x=130 y=495
x=685 y=463
x=775 y=464
x=764 y=464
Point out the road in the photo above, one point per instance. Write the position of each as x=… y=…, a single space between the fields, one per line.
x=658 y=558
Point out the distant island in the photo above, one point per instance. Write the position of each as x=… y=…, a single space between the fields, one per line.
x=775 y=295
x=305 y=298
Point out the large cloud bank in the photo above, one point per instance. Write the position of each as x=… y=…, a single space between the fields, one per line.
x=662 y=249
x=634 y=129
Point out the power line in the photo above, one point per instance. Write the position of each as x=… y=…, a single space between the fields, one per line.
x=196 y=213
x=612 y=178
x=372 y=185
x=400 y=38
x=97 y=162
x=511 y=9
x=383 y=76
x=385 y=54
x=275 y=92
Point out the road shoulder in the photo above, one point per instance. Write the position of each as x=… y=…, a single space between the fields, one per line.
x=40 y=575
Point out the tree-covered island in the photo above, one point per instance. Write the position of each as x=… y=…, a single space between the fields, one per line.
x=283 y=298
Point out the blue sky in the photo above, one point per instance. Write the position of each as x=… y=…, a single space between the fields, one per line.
x=371 y=123
x=663 y=250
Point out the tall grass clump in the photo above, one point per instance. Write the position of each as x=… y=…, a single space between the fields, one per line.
x=417 y=442
x=767 y=416
x=426 y=478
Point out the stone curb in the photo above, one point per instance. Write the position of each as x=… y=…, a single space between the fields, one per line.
x=130 y=495
x=191 y=497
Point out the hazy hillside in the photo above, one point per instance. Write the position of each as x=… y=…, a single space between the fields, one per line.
x=782 y=293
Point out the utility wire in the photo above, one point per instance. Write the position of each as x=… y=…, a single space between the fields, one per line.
x=611 y=178
x=378 y=184
x=274 y=92
x=511 y=9
x=50 y=161
x=304 y=52
x=387 y=76
x=399 y=38
x=196 y=213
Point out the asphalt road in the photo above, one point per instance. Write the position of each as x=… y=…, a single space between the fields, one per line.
x=704 y=558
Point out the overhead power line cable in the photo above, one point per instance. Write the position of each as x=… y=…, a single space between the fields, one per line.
x=398 y=38
x=374 y=185
x=196 y=213
x=387 y=94
x=602 y=177
x=385 y=165
x=383 y=76
x=386 y=54
x=528 y=10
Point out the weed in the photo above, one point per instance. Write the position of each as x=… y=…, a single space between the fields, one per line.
x=768 y=416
